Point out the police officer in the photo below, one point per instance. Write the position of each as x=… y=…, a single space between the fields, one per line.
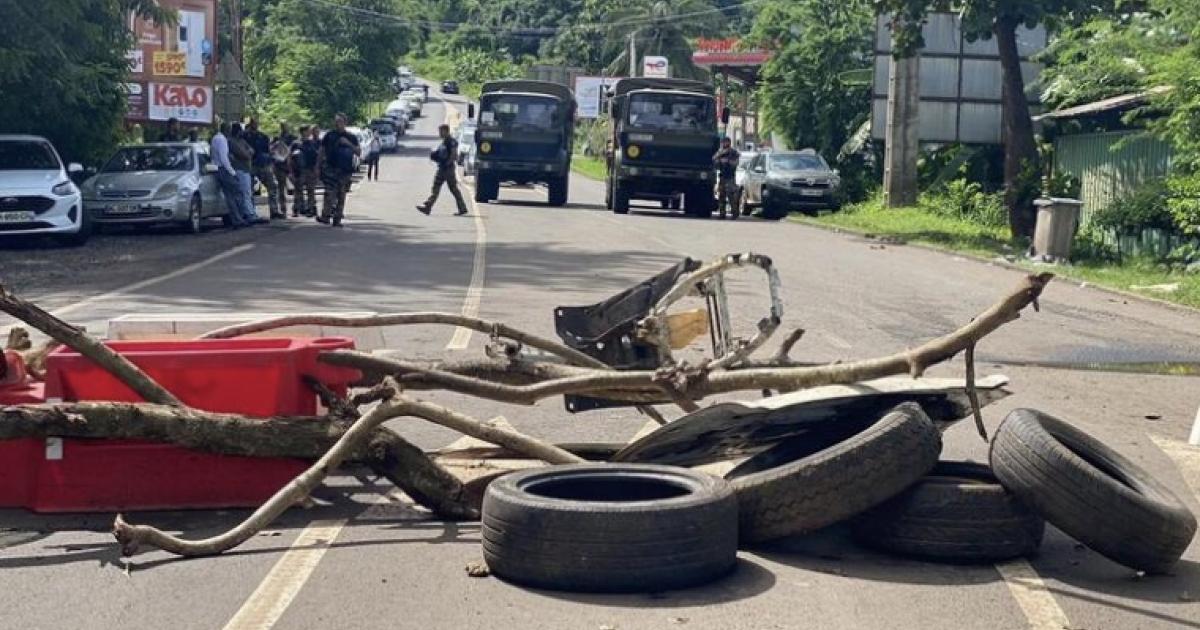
x=728 y=193
x=338 y=149
x=445 y=156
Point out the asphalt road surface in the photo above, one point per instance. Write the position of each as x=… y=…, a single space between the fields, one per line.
x=361 y=558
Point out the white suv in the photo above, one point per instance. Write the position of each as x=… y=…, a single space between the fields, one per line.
x=37 y=196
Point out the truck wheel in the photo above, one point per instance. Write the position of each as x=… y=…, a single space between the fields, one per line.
x=487 y=188
x=608 y=195
x=620 y=195
x=559 y=188
x=699 y=203
x=675 y=202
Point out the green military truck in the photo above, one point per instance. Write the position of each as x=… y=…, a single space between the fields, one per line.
x=525 y=135
x=663 y=138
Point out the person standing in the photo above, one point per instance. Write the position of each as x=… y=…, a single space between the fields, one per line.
x=373 y=151
x=338 y=149
x=280 y=149
x=264 y=165
x=445 y=156
x=304 y=161
x=227 y=177
x=241 y=155
x=728 y=193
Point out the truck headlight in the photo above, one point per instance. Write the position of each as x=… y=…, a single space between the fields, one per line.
x=485 y=147
x=633 y=151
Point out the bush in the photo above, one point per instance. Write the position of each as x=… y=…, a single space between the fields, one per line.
x=964 y=200
x=1184 y=203
x=1143 y=209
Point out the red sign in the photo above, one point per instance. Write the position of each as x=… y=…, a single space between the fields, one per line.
x=188 y=103
x=727 y=52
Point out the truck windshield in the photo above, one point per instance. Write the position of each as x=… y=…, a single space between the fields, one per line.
x=670 y=112
x=520 y=112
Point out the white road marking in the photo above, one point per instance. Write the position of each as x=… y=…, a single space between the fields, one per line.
x=1186 y=458
x=137 y=286
x=462 y=336
x=268 y=602
x=837 y=341
x=1027 y=587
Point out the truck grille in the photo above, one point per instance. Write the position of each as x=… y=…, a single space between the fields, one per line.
x=699 y=157
x=523 y=151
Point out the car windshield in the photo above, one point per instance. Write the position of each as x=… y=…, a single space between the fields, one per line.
x=670 y=112
x=384 y=128
x=798 y=162
x=134 y=159
x=519 y=112
x=27 y=155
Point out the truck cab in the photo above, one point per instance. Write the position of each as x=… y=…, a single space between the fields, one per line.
x=663 y=138
x=525 y=134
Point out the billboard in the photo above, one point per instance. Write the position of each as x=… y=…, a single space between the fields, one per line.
x=170 y=64
x=589 y=95
x=655 y=67
x=961 y=98
x=188 y=103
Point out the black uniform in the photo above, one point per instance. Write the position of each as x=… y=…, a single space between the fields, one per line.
x=446 y=158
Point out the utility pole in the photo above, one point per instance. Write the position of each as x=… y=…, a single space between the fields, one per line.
x=903 y=129
x=633 y=54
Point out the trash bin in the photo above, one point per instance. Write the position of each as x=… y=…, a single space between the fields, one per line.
x=1057 y=222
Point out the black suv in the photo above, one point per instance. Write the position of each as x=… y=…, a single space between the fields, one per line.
x=449 y=87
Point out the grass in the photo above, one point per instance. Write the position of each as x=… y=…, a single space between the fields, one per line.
x=918 y=225
x=590 y=167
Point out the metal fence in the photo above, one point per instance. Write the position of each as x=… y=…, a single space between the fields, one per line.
x=1110 y=165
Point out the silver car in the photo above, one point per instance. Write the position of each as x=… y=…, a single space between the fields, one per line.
x=171 y=183
x=780 y=181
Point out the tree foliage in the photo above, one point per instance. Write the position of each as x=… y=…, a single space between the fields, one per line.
x=63 y=70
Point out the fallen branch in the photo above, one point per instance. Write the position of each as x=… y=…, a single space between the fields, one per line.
x=643 y=386
x=81 y=342
x=409 y=319
x=133 y=537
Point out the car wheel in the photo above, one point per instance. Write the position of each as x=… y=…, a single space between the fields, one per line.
x=195 y=223
x=1091 y=492
x=609 y=528
x=772 y=211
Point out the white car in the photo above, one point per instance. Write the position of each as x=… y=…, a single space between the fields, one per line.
x=37 y=196
x=744 y=163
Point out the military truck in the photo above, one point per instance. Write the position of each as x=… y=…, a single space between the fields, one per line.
x=662 y=140
x=525 y=135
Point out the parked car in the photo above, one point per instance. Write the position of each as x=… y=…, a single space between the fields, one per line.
x=170 y=183
x=37 y=196
x=742 y=167
x=385 y=128
x=782 y=180
x=399 y=110
x=449 y=87
x=466 y=139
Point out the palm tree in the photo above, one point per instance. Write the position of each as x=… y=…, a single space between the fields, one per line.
x=661 y=28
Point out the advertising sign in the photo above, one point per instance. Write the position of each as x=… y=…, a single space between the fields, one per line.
x=137 y=61
x=188 y=103
x=170 y=64
x=655 y=67
x=589 y=95
x=135 y=99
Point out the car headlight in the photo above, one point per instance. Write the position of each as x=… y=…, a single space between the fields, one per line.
x=167 y=190
x=64 y=189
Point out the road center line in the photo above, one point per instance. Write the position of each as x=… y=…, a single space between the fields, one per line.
x=1027 y=587
x=462 y=336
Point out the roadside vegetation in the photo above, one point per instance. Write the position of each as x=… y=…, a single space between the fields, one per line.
x=588 y=166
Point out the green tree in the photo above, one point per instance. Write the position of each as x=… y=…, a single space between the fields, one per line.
x=63 y=70
x=1001 y=19
x=1175 y=68
x=1104 y=57
x=660 y=28
x=809 y=91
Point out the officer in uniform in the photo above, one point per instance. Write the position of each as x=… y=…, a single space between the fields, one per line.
x=445 y=156
x=728 y=193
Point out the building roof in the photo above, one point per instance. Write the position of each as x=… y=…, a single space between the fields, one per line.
x=1118 y=103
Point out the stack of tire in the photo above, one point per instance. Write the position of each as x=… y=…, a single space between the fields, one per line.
x=631 y=527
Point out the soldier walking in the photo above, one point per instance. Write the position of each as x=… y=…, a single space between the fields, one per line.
x=728 y=193
x=446 y=158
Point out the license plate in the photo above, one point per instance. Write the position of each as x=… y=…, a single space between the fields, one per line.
x=123 y=209
x=811 y=193
x=16 y=217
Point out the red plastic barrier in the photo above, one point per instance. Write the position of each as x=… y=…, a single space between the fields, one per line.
x=19 y=458
x=256 y=377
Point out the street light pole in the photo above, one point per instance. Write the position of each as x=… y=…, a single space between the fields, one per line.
x=633 y=54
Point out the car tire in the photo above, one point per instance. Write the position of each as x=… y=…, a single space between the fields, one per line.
x=811 y=482
x=772 y=211
x=620 y=199
x=559 y=189
x=958 y=513
x=609 y=528
x=1091 y=492
x=195 y=224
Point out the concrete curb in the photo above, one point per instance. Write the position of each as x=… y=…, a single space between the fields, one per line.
x=1058 y=275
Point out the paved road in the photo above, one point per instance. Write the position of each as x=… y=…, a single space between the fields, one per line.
x=359 y=560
